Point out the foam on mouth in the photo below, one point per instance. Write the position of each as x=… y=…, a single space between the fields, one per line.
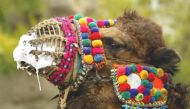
x=22 y=53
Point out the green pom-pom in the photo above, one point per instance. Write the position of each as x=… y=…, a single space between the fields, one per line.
x=145 y=82
x=78 y=16
x=154 y=70
x=133 y=67
x=126 y=95
x=86 y=42
x=92 y=24
x=158 y=95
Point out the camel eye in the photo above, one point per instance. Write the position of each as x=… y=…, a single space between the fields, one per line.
x=109 y=43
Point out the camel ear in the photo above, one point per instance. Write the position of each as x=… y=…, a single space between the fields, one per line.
x=165 y=58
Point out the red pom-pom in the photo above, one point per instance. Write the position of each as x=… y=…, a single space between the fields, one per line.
x=100 y=23
x=71 y=17
x=89 y=20
x=84 y=29
x=151 y=77
x=141 y=89
x=95 y=35
x=139 y=68
x=120 y=71
x=146 y=99
x=124 y=87
x=165 y=78
x=97 y=51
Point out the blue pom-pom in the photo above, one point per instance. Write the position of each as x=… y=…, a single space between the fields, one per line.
x=166 y=86
x=147 y=68
x=128 y=70
x=106 y=23
x=152 y=99
x=146 y=92
x=94 y=29
x=84 y=35
x=134 y=92
x=87 y=50
x=98 y=58
x=150 y=85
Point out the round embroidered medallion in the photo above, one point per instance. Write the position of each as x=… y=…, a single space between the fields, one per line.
x=140 y=86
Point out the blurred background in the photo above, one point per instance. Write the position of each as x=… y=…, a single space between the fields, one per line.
x=20 y=91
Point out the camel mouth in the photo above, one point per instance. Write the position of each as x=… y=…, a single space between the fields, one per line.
x=26 y=67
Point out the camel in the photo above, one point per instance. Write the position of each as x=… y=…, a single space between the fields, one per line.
x=132 y=40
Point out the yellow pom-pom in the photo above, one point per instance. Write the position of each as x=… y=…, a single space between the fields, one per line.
x=144 y=74
x=122 y=79
x=88 y=59
x=160 y=72
x=97 y=43
x=82 y=21
x=111 y=22
x=164 y=91
x=153 y=91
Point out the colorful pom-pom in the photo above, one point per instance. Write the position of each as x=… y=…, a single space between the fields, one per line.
x=165 y=78
x=164 y=91
x=153 y=91
x=97 y=43
x=151 y=77
x=146 y=92
x=92 y=24
x=152 y=99
x=122 y=79
x=158 y=95
x=84 y=35
x=150 y=85
x=84 y=29
x=88 y=59
x=139 y=68
x=154 y=70
x=106 y=23
x=146 y=68
x=111 y=22
x=82 y=21
x=144 y=74
x=78 y=16
x=158 y=83
x=98 y=58
x=146 y=99
x=89 y=20
x=120 y=71
x=95 y=35
x=124 y=87
x=128 y=70
x=86 y=43
x=100 y=23
x=139 y=97
x=97 y=51
x=87 y=50
x=133 y=67
x=126 y=95
x=141 y=89
x=145 y=82
x=160 y=72
x=94 y=29
x=134 y=92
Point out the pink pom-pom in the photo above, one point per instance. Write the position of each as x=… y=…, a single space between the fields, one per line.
x=139 y=68
x=141 y=89
x=97 y=51
x=120 y=71
x=89 y=20
x=84 y=29
x=100 y=23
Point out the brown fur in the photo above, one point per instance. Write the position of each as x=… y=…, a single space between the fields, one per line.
x=138 y=40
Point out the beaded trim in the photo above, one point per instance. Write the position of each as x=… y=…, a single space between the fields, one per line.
x=152 y=91
x=58 y=77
